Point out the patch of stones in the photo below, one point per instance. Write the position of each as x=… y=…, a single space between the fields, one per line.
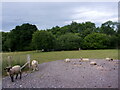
x=73 y=74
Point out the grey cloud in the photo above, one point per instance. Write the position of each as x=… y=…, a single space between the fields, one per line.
x=45 y=15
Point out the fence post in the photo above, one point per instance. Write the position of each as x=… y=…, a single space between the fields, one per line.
x=28 y=60
x=9 y=60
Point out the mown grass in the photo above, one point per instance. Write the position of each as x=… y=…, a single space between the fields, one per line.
x=21 y=57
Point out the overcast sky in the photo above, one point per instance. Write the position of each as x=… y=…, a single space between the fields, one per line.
x=45 y=15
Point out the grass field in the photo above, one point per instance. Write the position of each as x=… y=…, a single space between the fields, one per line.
x=21 y=57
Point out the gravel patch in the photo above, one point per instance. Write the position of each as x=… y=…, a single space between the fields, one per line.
x=74 y=74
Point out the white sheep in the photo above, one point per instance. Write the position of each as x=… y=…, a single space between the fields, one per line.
x=84 y=59
x=93 y=63
x=15 y=70
x=34 y=65
x=109 y=59
x=67 y=60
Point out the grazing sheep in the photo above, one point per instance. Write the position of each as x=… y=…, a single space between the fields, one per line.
x=93 y=63
x=34 y=65
x=84 y=60
x=67 y=60
x=109 y=59
x=15 y=70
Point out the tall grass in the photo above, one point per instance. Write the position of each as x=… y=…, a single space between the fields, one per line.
x=21 y=57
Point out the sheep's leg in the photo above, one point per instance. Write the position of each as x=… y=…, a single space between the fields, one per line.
x=37 y=67
x=20 y=75
x=12 y=78
x=16 y=76
x=33 y=69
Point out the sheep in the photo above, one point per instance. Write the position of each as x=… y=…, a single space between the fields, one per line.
x=34 y=65
x=109 y=59
x=84 y=59
x=67 y=60
x=93 y=63
x=15 y=70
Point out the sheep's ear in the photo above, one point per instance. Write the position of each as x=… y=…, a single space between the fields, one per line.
x=8 y=69
x=4 y=68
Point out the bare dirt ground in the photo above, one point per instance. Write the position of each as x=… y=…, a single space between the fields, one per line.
x=74 y=74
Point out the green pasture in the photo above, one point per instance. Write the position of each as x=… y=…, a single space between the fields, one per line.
x=21 y=57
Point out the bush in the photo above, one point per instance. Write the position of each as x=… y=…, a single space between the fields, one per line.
x=43 y=40
x=96 y=41
x=68 y=41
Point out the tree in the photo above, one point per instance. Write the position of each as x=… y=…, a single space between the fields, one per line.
x=96 y=41
x=113 y=41
x=0 y=42
x=20 y=37
x=4 y=38
x=43 y=40
x=83 y=28
x=86 y=28
x=73 y=27
x=54 y=30
x=118 y=34
x=108 y=28
x=68 y=41
x=68 y=37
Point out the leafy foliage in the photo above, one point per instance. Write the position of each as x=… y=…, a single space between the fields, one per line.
x=43 y=40
x=68 y=41
x=4 y=38
x=20 y=38
x=96 y=41
x=108 y=28
x=73 y=36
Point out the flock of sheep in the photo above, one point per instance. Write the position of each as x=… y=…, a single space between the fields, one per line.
x=15 y=70
x=87 y=60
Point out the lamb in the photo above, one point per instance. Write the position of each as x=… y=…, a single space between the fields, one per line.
x=109 y=59
x=67 y=60
x=34 y=65
x=15 y=70
x=84 y=60
x=93 y=63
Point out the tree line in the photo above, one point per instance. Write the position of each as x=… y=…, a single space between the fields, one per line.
x=69 y=37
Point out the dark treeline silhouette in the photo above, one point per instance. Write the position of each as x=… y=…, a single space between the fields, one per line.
x=69 y=37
